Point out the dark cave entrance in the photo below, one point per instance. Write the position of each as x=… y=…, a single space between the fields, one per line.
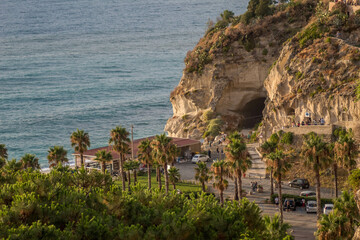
x=252 y=112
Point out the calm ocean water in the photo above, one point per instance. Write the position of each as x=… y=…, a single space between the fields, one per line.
x=93 y=64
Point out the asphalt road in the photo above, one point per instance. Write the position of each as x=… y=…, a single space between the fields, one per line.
x=303 y=224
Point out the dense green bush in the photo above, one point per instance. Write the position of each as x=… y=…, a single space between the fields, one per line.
x=74 y=204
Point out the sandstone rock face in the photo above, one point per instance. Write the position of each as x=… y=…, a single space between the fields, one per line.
x=232 y=84
x=319 y=79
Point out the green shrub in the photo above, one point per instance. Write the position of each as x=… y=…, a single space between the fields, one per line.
x=74 y=204
x=208 y=115
x=298 y=75
x=265 y=52
x=354 y=179
x=287 y=138
x=311 y=33
x=357 y=90
x=213 y=128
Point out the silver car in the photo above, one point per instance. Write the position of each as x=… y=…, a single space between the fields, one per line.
x=311 y=207
x=200 y=158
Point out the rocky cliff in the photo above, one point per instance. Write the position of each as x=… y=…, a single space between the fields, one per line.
x=225 y=72
x=316 y=74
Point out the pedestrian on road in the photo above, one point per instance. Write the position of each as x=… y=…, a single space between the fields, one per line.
x=276 y=201
x=217 y=150
x=209 y=153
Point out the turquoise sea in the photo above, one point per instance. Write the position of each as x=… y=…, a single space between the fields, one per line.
x=93 y=64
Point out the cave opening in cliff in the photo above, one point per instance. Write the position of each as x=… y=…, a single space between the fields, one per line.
x=252 y=112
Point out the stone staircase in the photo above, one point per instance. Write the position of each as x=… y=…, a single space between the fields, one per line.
x=258 y=168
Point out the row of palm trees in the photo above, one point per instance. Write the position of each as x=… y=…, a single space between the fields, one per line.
x=159 y=153
x=316 y=156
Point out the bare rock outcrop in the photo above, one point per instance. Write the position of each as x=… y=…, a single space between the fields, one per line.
x=226 y=70
x=319 y=79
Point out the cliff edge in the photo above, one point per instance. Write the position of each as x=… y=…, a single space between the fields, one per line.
x=225 y=72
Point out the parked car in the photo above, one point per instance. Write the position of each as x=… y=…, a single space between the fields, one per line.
x=200 y=158
x=328 y=208
x=311 y=207
x=307 y=194
x=299 y=183
x=291 y=202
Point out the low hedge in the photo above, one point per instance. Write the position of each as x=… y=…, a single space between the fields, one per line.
x=299 y=198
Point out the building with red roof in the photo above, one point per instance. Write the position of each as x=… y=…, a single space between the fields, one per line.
x=186 y=148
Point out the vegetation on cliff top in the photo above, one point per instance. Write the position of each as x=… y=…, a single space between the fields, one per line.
x=246 y=29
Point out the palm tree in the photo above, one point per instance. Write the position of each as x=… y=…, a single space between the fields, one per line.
x=145 y=156
x=3 y=151
x=267 y=148
x=29 y=161
x=2 y=162
x=279 y=163
x=128 y=167
x=347 y=207
x=135 y=166
x=119 y=139
x=316 y=157
x=103 y=157
x=80 y=141
x=276 y=229
x=13 y=165
x=221 y=172
x=158 y=173
x=162 y=152
x=344 y=153
x=174 y=176
x=238 y=158
x=202 y=174
x=57 y=155
x=173 y=153
x=334 y=226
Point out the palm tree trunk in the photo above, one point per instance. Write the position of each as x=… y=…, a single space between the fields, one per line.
x=271 y=183
x=240 y=185
x=149 y=176
x=82 y=160
x=236 y=190
x=159 y=178
x=280 y=199
x=103 y=167
x=318 y=198
x=129 y=180
x=221 y=191
x=335 y=180
x=221 y=198
x=135 y=177
x=203 y=186
x=166 y=178
x=157 y=174
x=122 y=173
x=174 y=186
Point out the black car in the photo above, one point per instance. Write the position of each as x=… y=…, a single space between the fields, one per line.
x=291 y=206
x=299 y=183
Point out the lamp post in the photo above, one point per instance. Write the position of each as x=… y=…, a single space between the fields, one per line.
x=132 y=141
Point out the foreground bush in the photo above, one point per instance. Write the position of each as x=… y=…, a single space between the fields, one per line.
x=67 y=204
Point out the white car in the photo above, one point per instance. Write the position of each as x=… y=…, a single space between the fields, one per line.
x=200 y=158
x=311 y=207
x=307 y=194
x=328 y=208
